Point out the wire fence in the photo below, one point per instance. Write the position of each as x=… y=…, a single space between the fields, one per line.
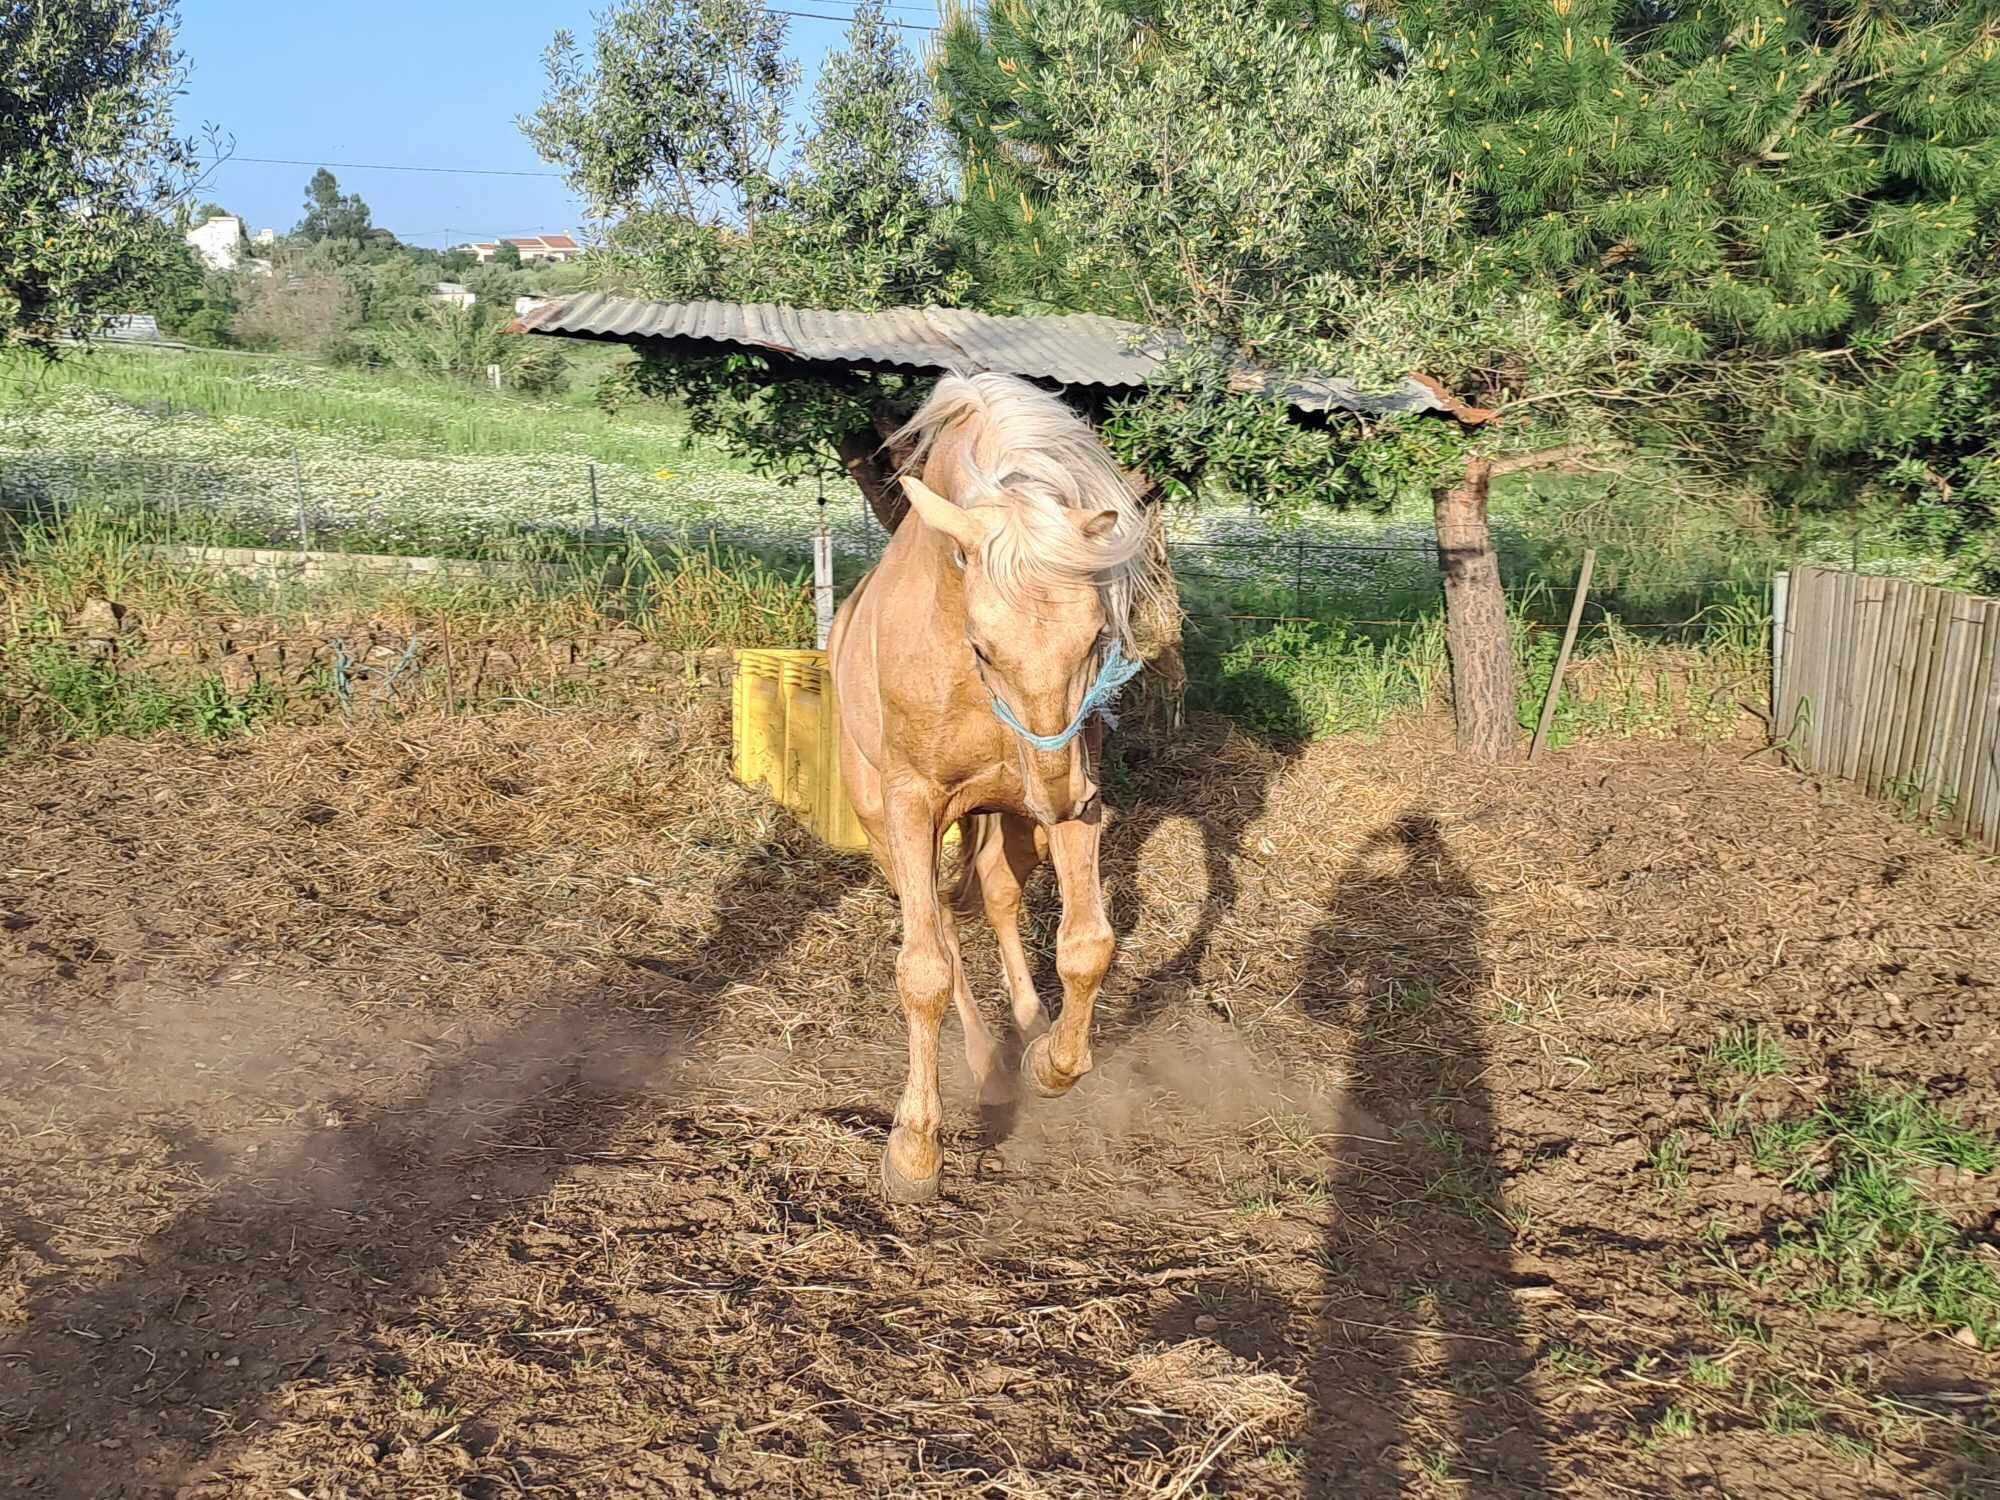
x=1239 y=575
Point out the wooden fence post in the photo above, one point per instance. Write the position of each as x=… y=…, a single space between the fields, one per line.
x=1484 y=680
x=1562 y=657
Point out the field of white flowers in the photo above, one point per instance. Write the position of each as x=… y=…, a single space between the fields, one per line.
x=358 y=461
x=269 y=450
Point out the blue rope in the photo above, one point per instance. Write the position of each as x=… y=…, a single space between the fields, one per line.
x=1111 y=676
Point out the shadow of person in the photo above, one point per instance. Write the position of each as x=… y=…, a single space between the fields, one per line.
x=1419 y=1365
x=1218 y=774
x=291 y=1268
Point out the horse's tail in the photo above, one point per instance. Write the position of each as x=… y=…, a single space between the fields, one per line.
x=972 y=830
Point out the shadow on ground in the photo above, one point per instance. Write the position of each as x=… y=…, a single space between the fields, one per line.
x=1421 y=1366
x=300 y=1255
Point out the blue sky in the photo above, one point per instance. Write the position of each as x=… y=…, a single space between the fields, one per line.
x=435 y=83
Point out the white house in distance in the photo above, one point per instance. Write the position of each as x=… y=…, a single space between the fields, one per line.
x=550 y=248
x=219 y=242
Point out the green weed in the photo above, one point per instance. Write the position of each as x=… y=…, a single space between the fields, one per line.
x=1748 y=1051
x=1877 y=1241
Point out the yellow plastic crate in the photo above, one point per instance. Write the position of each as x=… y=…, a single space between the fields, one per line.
x=785 y=741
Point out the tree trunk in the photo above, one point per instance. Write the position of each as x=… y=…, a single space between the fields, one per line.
x=872 y=463
x=1153 y=709
x=875 y=477
x=1484 y=684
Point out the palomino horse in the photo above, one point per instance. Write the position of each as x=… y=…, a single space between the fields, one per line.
x=969 y=667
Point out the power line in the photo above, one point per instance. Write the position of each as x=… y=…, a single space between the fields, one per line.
x=378 y=166
x=807 y=15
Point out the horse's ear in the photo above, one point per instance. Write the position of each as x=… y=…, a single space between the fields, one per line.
x=940 y=514
x=1098 y=527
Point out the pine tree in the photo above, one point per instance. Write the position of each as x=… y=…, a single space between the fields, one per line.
x=1776 y=202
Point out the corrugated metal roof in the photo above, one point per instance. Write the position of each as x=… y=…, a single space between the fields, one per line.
x=1078 y=349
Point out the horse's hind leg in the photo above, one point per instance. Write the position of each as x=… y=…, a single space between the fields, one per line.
x=1003 y=860
x=982 y=1052
x=925 y=976
x=1084 y=947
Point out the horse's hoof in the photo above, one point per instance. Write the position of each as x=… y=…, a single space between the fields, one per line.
x=1038 y=1071
x=897 y=1188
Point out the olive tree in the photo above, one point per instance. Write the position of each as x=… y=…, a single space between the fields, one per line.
x=91 y=169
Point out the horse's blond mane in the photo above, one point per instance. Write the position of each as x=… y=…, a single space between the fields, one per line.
x=1012 y=445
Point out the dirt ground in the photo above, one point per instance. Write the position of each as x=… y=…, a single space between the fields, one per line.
x=491 y=1106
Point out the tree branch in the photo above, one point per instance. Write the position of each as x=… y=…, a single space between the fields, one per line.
x=1543 y=458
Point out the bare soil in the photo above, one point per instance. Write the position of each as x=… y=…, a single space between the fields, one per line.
x=490 y=1106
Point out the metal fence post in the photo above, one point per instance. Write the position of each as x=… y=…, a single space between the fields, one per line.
x=596 y=520
x=299 y=487
x=822 y=573
x=1781 y=585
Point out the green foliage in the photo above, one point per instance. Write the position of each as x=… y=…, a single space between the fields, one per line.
x=680 y=109
x=331 y=214
x=194 y=304
x=1305 y=680
x=1295 y=201
x=506 y=256
x=866 y=219
x=75 y=698
x=443 y=340
x=1748 y=1051
x=90 y=166
x=1775 y=208
x=1877 y=1240
x=1300 y=212
x=785 y=427
x=860 y=220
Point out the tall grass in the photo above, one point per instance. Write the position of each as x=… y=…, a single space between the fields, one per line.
x=54 y=568
x=397 y=414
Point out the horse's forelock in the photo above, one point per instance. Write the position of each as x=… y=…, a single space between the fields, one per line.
x=1017 y=446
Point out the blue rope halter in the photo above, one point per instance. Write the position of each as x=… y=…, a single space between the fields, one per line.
x=1112 y=675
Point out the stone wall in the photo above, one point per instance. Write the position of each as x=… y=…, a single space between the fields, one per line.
x=292 y=565
x=374 y=666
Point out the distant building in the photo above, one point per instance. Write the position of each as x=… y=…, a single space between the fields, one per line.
x=219 y=242
x=130 y=328
x=453 y=294
x=264 y=238
x=548 y=248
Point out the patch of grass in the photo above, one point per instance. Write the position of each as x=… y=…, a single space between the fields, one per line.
x=1877 y=1241
x=81 y=699
x=1306 y=679
x=1749 y=1052
x=1669 y=1161
x=1675 y=1422
x=1567 y=1359
x=1729 y=1317
x=1787 y=1407
x=1778 y=1147
x=1709 y=1374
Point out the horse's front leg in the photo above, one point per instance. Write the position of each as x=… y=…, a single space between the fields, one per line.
x=1084 y=947
x=924 y=974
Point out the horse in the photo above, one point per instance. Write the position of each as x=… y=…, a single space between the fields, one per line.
x=973 y=672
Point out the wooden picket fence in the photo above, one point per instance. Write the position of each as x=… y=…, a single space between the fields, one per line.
x=1896 y=687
